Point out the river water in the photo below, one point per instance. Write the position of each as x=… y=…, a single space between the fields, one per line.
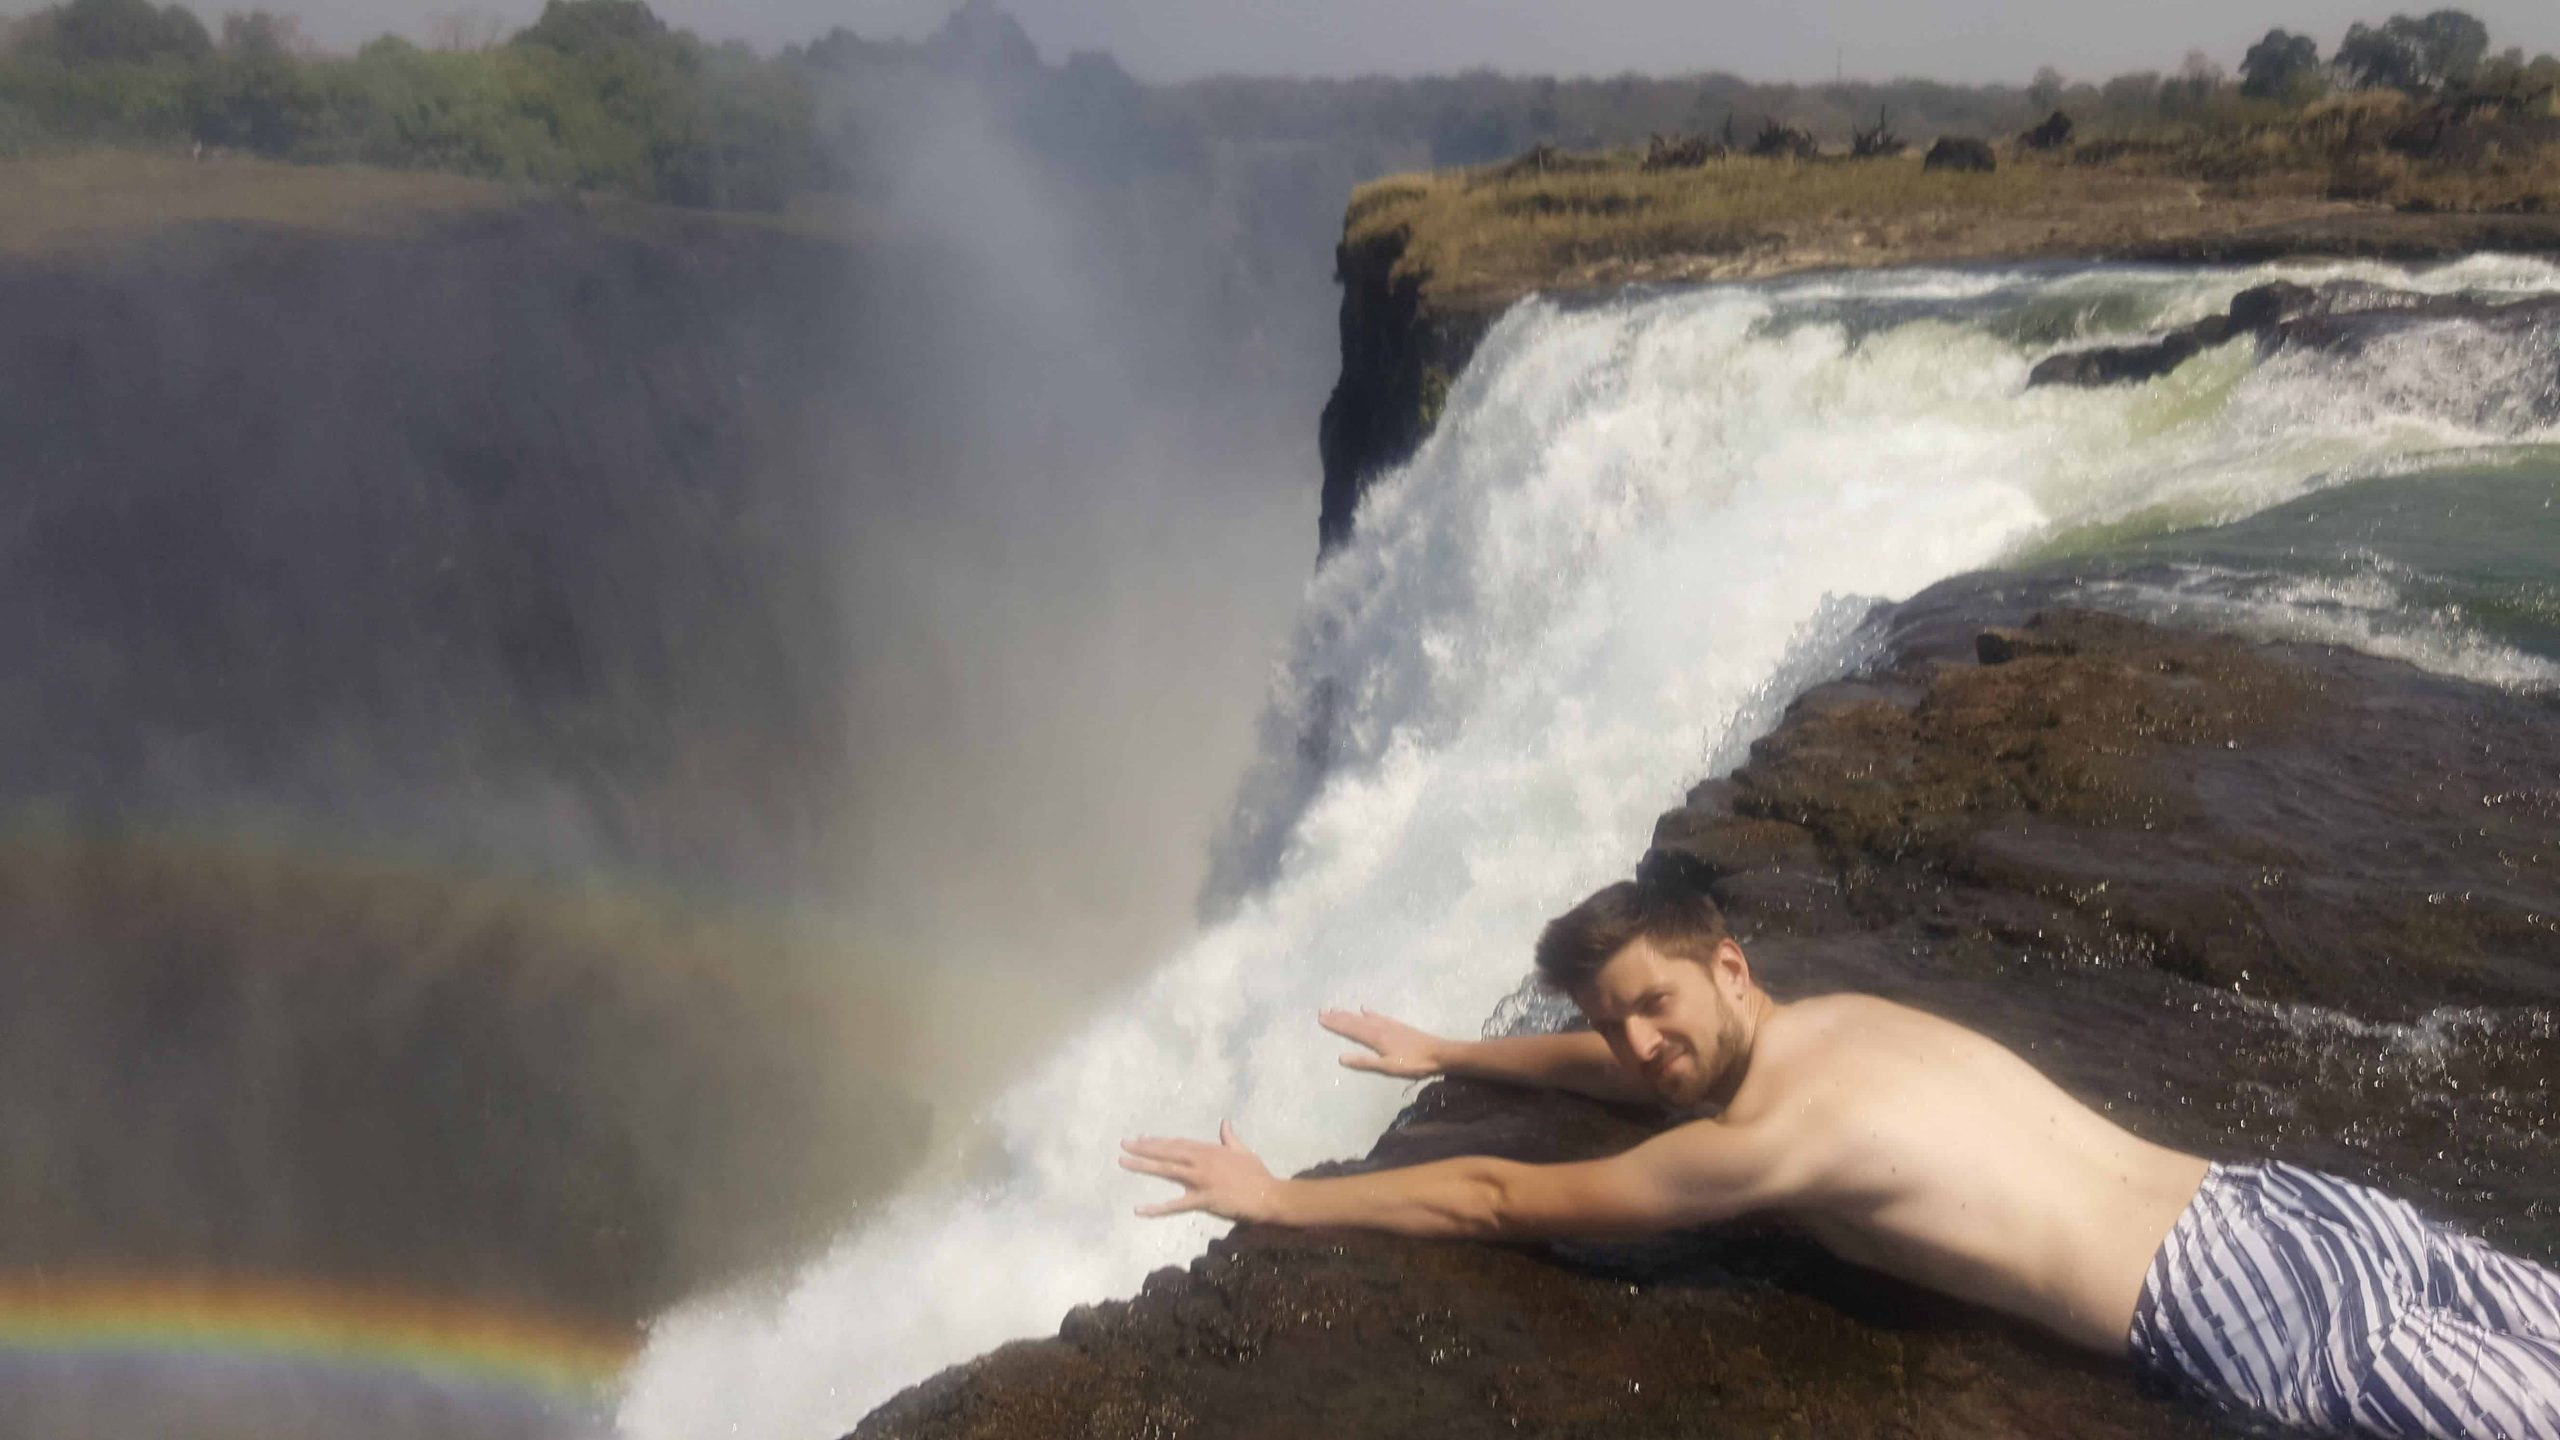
x=1641 y=527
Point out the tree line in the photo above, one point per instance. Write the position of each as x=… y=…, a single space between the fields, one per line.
x=2444 y=51
x=602 y=94
x=596 y=94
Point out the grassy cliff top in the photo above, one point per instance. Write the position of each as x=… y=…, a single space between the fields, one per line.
x=67 y=201
x=1547 y=221
x=63 y=201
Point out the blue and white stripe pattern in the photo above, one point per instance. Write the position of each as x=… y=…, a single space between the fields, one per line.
x=2327 y=1305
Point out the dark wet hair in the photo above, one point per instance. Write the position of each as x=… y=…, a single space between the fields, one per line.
x=1667 y=904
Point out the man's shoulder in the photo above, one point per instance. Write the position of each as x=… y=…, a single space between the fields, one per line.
x=1844 y=1013
x=1825 y=1040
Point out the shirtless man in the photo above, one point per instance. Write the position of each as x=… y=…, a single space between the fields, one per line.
x=1912 y=1145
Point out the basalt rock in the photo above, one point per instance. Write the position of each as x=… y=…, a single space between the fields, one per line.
x=2298 y=826
x=1960 y=152
x=1399 y=358
x=2340 y=317
x=2051 y=133
x=1284 y=1333
x=2253 y=900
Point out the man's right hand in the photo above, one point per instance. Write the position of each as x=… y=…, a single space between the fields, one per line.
x=1394 y=1048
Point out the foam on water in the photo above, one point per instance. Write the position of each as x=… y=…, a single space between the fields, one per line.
x=1638 y=530
x=2367 y=610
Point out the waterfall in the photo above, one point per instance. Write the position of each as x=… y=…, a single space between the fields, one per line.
x=1640 y=528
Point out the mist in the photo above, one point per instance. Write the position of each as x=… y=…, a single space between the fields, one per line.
x=1065 y=613
x=553 y=756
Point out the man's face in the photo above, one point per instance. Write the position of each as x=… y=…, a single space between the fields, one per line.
x=1668 y=1021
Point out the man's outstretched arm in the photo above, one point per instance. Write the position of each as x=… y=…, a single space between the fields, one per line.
x=1576 y=1060
x=1697 y=1173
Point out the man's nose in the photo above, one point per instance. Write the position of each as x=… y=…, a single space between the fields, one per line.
x=1642 y=1039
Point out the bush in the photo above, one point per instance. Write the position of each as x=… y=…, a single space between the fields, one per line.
x=114 y=32
x=2279 y=65
x=2436 y=51
x=266 y=104
x=596 y=93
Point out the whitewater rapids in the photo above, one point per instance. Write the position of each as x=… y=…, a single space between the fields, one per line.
x=1640 y=528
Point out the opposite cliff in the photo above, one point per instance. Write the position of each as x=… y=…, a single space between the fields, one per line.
x=1428 y=262
x=423 y=658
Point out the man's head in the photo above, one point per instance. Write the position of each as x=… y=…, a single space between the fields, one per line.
x=1650 y=963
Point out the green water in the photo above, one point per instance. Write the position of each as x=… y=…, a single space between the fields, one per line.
x=2466 y=554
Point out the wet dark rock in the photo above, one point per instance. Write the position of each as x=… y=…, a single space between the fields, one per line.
x=2254 y=900
x=1295 y=1333
x=2341 y=316
x=1960 y=152
x=2128 y=364
x=2304 y=825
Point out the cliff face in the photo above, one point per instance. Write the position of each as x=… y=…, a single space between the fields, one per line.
x=1399 y=355
x=534 y=498
x=2027 y=820
x=369 y=593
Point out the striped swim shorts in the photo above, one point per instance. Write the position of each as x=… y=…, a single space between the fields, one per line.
x=2329 y=1306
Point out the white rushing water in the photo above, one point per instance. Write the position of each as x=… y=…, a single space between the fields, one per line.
x=2364 y=611
x=1639 y=529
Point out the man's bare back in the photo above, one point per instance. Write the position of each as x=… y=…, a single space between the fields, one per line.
x=1927 y=1151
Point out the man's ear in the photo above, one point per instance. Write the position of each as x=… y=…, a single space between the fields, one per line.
x=1731 y=963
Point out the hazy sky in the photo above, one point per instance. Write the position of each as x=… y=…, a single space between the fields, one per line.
x=1766 y=39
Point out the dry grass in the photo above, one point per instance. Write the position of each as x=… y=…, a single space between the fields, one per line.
x=1486 y=235
x=1476 y=235
x=65 y=201
x=2528 y=180
x=58 y=202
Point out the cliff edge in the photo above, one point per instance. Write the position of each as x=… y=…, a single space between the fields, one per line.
x=2035 y=838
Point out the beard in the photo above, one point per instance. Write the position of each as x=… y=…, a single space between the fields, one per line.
x=1714 y=1076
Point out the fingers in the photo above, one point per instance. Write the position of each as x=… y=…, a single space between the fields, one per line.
x=1363 y=1060
x=1367 y=1028
x=1227 y=1135
x=1174 y=1160
x=1163 y=1169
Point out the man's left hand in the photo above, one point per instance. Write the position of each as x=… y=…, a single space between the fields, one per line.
x=1225 y=1179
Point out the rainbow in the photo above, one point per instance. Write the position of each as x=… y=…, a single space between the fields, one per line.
x=252 y=1319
